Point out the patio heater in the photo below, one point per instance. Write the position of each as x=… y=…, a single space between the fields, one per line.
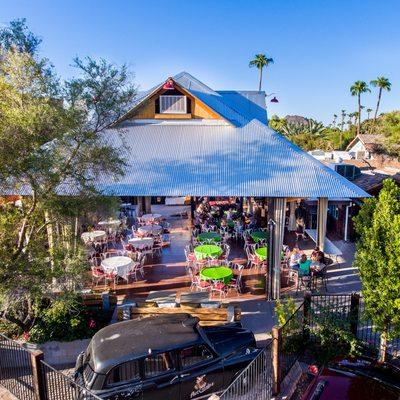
x=268 y=286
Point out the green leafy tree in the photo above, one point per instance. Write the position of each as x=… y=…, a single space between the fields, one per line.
x=383 y=84
x=378 y=260
x=369 y=111
x=357 y=89
x=18 y=37
x=260 y=61
x=52 y=143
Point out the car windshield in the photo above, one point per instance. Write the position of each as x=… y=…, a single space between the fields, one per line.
x=88 y=372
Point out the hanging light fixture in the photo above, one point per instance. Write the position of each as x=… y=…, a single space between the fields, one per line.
x=274 y=100
x=169 y=84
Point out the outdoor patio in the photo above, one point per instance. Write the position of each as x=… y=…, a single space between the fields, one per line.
x=167 y=271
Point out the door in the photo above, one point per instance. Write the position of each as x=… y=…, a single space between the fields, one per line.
x=201 y=372
x=123 y=381
x=160 y=379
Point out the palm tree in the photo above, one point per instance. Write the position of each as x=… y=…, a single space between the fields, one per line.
x=260 y=61
x=334 y=120
x=357 y=89
x=383 y=84
x=342 y=123
x=369 y=111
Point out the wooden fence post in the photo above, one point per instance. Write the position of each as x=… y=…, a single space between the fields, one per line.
x=276 y=344
x=37 y=374
x=354 y=309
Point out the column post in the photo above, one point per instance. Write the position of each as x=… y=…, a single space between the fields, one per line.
x=322 y=216
x=279 y=208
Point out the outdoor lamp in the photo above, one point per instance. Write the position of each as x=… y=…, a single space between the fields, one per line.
x=169 y=84
x=274 y=100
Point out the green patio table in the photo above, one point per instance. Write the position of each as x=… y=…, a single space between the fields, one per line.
x=217 y=273
x=261 y=253
x=209 y=236
x=259 y=235
x=207 y=250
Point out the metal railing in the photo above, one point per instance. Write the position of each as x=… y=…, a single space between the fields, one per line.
x=293 y=339
x=255 y=382
x=16 y=369
x=59 y=386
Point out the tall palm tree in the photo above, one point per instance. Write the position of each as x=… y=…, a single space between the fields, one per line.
x=357 y=89
x=383 y=84
x=334 y=120
x=260 y=61
x=343 y=116
x=369 y=111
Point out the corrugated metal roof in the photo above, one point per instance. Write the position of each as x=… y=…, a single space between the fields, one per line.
x=252 y=103
x=167 y=159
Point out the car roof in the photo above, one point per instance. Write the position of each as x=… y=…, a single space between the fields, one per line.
x=128 y=340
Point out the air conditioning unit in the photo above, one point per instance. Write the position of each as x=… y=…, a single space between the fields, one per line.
x=173 y=104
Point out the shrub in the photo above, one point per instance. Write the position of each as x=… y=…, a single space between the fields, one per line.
x=66 y=319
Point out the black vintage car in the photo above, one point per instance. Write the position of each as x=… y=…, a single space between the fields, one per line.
x=166 y=357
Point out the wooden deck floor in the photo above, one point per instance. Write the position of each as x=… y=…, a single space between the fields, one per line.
x=167 y=271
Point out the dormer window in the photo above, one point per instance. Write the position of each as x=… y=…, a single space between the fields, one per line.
x=173 y=104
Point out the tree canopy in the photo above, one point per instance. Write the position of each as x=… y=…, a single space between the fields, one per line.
x=52 y=151
x=378 y=258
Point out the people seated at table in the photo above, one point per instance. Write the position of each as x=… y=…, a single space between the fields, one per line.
x=304 y=265
x=295 y=258
x=318 y=256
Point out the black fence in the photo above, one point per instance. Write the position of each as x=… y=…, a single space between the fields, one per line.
x=59 y=386
x=293 y=339
x=16 y=369
x=24 y=374
x=256 y=381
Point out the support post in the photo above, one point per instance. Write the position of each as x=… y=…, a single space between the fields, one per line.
x=268 y=281
x=147 y=202
x=38 y=380
x=306 y=315
x=321 y=221
x=139 y=208
x=354 y=308
x=276 y=343
x=279 y=207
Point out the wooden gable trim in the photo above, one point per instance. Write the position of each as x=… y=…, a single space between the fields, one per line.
x=159 y=91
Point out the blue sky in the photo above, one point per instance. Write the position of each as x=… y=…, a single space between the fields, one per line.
x=320 y=47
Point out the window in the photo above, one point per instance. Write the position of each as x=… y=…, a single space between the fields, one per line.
x=195 y=355
x=157 y=365
x=173 y=104
x=125 y=372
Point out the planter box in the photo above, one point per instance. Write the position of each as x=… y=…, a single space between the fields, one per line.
x=59 y=354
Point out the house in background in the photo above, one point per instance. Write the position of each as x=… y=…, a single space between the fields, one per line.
x=364 y=146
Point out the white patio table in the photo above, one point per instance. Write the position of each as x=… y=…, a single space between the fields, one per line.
x=111 y=222
x=93 y=236
x=120 y=265
x=140 y=243
x=151 y=217
x=150 y=229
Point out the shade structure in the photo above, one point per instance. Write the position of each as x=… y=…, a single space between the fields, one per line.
x=213 y=158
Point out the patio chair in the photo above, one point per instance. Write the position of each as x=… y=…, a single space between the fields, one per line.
x=303 y=282
x=252 y=259
x=97 y=275
x=199 y=284
x=218 y=287
x=322 y=277
x=190 y=258
x=111 y=277
x=236 y=283
x=213 y=261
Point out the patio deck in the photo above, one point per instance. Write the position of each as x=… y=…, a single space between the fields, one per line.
x=167 y=272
